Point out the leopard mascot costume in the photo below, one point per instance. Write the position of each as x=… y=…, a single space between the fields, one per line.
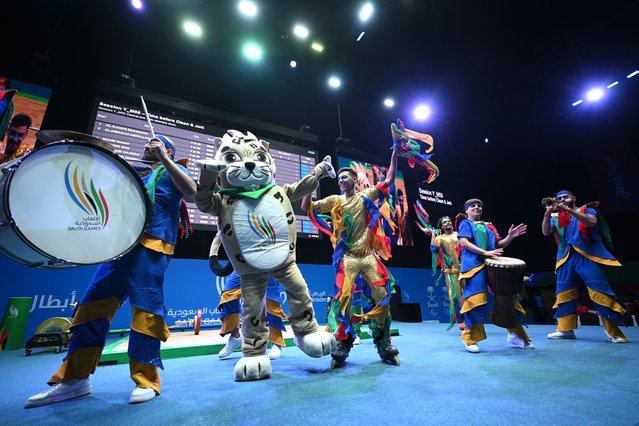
x=259 y=232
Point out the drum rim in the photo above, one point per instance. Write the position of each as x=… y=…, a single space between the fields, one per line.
x=490 y=261
x=59 y=262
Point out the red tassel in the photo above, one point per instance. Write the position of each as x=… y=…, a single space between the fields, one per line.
x=584 y=229
x=563 y=218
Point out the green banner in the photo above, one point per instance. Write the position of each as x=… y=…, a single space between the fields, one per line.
x=14 y=323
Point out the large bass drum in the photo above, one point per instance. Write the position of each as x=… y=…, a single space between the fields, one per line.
x=70 y=203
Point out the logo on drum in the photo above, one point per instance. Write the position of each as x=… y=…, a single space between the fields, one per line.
x=89 y=199
x=261 y=227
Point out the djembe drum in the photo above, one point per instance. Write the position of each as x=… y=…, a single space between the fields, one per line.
x=505 y=278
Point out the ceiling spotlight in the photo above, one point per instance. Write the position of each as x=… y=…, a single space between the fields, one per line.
x=252 y=51
x=486 y=140
x=300 y=31
x=595 y=94
x=317 y=47
x=365 y=12
x=293 y=64
x=422 y=112
x=632 y=74
x=360 y=36
x=137 y=4
x=334 y=82
x=389 y=103
x=612 y=85
x=577 y=102
x=247 y=8
x=193 y=29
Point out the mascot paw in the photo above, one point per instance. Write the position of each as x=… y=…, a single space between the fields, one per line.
x=328 y=167
x=212 y=166
x=252 y=368
x=316 y=344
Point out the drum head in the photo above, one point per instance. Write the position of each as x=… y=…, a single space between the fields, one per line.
x=78 y=203
x=505 y=262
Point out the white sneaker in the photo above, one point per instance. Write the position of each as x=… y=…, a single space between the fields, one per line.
x=60 y=392
x=141 y=395
x=529 y=345
x=275 y=352
x=515 y=340
x=472 y=348
x=231 y=344
x=562 y=335
x=356 y=341
x=616 y=339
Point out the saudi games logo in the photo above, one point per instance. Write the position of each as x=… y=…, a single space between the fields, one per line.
x=261 y=227
x=88 y=198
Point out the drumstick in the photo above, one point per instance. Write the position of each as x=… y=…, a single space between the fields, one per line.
x=146 y=114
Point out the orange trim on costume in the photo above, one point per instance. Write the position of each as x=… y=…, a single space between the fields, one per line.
x=385 y=211
x=605 y=300
x=378 y=312
x=565 y=296
x=79 y=365
x=597 y=259
x=96 y=309
x=519 y=309
x=567 y=322
x=150 y=324
x=275 y=308
x=346 y=296
x=157 y=244
x=613 y=329
x=519 y=331
x=275 y=336
x=562 y=260
x=230 y=323
x=338 y=221
x=474 y=301
x=472 y=272
x=145 y=376
x=475 y=334
x=230 y=295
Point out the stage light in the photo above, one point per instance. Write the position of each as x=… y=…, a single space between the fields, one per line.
x=193 y=29
x=365 y=12
x=595 y=94
x=334 y=82
x=577 y=102
x=317 y=47
x=422 y=112
x=486 y=140
x=137 y=4
x=293 y=64
x=360 y=36
x=252 y=51
x=632 y=74
x=300 y=31
x=612 y=85
x=389 y=103
x=247 y=8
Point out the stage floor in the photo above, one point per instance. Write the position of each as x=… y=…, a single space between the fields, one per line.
x=587 y=381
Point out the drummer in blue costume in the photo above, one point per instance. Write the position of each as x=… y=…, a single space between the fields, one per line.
x=480 y=240
x=580 y=234
x=139 y=276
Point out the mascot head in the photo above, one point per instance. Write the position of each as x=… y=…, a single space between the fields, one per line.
x=248 y=162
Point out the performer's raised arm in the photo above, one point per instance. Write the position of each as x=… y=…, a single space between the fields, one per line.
x=164 y=151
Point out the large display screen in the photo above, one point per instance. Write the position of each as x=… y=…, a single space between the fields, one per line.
x=24 y=98
x=125 y=127
x=369 y=175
